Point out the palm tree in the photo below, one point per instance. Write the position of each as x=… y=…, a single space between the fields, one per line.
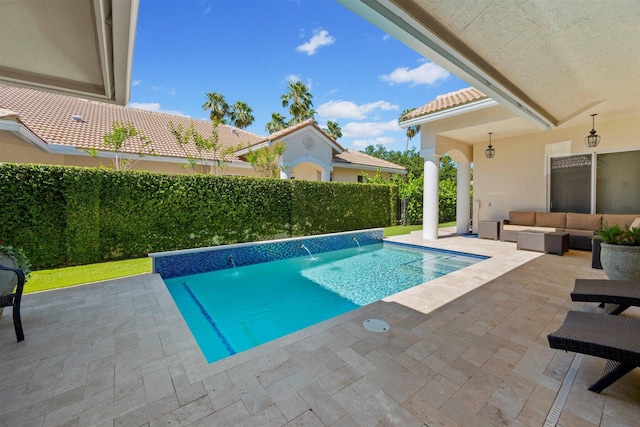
x=411 y=130
x=333 y=130
x=218 y=106
x=299 y=101
x=240 y=115
x=277 y=123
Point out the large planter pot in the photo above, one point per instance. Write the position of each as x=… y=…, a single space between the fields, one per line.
x=620 y=262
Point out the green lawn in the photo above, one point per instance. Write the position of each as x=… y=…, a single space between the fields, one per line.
x=43 y=280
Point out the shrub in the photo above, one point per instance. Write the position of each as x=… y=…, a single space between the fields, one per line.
x=68 y=216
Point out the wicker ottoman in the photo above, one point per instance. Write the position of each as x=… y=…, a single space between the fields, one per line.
x=531 y=240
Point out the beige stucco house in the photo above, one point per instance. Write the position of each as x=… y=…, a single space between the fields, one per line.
x=48 y=128
x=540 y=70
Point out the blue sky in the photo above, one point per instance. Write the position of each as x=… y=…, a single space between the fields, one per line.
x=248 y=50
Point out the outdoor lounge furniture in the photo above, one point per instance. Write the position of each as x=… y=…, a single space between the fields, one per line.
x=13 y=300
x=580 y=226
x=622 y=293
x=615 y=338
x=555 y=242
x=489 y=230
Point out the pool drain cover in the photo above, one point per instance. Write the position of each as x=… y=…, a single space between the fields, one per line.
x=376 y=325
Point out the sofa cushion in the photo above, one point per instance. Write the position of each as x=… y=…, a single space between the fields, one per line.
x=509 y=227
x=522 y=218
x=579 y=232
x=582 y=221
x=623 y=220
x=550 y=219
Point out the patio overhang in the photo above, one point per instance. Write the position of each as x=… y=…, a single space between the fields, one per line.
x=549 y=63
x=73 y=47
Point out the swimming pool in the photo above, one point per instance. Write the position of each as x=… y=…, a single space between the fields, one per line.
x=232 y=310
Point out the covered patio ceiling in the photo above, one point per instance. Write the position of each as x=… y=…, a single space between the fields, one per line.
x=82 y=48
x=551 y=63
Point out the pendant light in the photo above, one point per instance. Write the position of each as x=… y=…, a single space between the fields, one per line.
x=593 y=139
x=490 y=151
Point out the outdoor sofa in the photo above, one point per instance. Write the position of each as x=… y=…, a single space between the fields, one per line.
x=580 y=226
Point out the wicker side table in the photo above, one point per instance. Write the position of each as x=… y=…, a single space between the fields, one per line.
x=489 y=230
x=556 y=242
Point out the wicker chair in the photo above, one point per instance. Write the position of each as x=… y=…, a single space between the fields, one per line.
x=617 y=294
x=615 y=338
x=13 y=300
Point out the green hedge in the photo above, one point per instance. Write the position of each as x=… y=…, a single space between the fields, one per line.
x=68 y=216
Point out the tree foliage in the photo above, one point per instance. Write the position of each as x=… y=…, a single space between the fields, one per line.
x=124 y=137
x=217 y=106
x=63 y=216
x=265 y=159
x=411 y=186
x=300 y=102
x=411 y=131
x=333 y=130
x=209 y=151
x=241 y=115
x=278 y=122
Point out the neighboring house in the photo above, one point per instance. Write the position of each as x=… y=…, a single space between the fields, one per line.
x=47 y=128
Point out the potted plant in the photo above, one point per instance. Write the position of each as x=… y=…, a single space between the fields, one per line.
x=620 y=252
x=14 y=258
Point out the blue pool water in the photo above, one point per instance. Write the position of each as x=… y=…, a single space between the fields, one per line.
x=232 y=310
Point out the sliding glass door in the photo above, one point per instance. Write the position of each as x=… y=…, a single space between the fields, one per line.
x=618 y=183
x=616 y=177
x=571 y=184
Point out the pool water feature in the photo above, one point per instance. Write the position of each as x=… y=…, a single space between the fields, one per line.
x=232 y=310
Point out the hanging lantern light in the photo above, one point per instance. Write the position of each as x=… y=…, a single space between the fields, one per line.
x=490 y=151
x=593 y=139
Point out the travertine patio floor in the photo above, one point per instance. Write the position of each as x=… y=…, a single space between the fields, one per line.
x=467 y=349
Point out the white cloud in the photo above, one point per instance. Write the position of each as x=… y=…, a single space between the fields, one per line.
x=154 y=106
x=383 y=140
x=292 y=78
x=369 y=129
x=320 y=38
x=386 y=37
x=426 y=74
x=349 y=110
x=136 y=82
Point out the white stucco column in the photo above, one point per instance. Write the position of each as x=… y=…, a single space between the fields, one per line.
x=463 y=199
x=430 y=196
x=325 y=175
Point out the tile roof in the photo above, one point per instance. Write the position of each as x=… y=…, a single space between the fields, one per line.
x=357 y=158
x=49 y=116
x=446 y=101
x=291 y=129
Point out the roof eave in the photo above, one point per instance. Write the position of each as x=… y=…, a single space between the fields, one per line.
x=449 y=112
x=405 y=22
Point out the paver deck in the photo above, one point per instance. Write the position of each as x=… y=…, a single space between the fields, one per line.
x=467 y=349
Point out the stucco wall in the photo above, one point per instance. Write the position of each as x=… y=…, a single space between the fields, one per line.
x=516 y=178
x=15 y=150
x=306 y=171
x=351 y=175
x=296 y=150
